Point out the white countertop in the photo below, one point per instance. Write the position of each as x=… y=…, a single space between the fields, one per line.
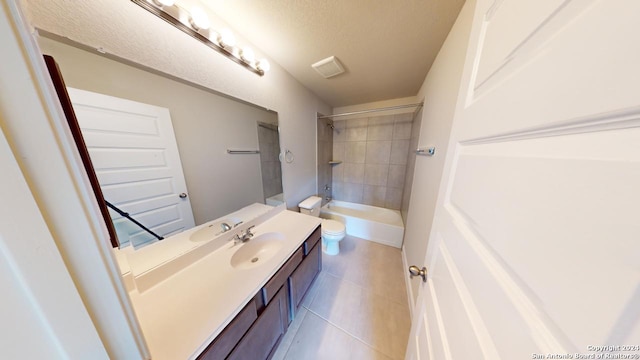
x=183 y=308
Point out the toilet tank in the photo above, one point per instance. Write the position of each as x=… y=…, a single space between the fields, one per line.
x=311 y=206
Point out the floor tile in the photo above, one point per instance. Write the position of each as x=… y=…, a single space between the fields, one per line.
x=378 y=321
x=361 y=262
x=318 y=339
x=356 y=309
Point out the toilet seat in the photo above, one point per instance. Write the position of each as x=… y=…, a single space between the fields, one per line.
x=332 y=227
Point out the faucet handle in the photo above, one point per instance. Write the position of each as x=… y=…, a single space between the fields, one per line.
x=249 y=233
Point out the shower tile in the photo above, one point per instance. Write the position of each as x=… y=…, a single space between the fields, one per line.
x=374 y=195
x=355 y=151
x=338 y=190
x=357 y=129
x=375 y=174
x=328 y=151
x=353 y=173
x=380 y=128
x=402 y=127
x=399 y=152
x=353 y=192
x=393 y=198
x=378 y=152
x=339 y=131
x=264 y=151
x=396 y=176
x=338 y=151
x=338 y=172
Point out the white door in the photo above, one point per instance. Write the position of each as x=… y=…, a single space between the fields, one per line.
x=134 y=152
x=535 y=246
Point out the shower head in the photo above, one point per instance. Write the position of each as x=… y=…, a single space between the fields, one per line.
x=330 y=124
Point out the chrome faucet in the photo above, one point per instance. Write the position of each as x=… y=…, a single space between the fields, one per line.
x=243 y=236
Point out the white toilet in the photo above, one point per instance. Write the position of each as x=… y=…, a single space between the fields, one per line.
x=332 y=231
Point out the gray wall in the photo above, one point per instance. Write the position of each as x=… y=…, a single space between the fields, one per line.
x=205 y=125
x=374 y=153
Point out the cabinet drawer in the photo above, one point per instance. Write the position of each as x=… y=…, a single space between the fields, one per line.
x=276 y=282
x=266 y=332
x=304 y=275
x=229 y=337
x=312 y=240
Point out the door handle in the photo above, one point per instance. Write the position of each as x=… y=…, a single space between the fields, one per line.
x=183 y=195
x=416 y=271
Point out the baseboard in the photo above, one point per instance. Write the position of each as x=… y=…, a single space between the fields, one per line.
x=407 y=281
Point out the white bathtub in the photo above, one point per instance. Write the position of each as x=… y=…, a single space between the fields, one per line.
x=381 y=225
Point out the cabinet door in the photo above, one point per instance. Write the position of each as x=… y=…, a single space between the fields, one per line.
x=304 y=275
x=227 y=340
x=265 y=334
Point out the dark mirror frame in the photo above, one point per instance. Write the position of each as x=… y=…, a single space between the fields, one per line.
x=72 y=121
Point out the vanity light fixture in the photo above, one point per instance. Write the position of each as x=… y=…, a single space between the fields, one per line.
x=263 y=65
x=196 y=23
x=226 y=39
x=247 y=55
x=198 y=19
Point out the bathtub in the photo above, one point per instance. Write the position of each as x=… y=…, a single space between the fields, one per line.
x=372 y=223
x=275 y=200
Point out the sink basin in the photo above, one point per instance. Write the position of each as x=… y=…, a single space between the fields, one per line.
x=257 y=251
x=212 y=230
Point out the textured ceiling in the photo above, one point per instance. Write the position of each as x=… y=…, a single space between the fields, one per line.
x=386 y=46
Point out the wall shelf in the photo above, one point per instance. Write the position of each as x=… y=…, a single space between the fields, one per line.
x=335 y=162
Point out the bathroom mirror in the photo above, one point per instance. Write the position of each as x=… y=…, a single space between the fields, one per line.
x=206 y=125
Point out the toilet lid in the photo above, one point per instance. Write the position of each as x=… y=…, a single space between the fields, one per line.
x=332 y=227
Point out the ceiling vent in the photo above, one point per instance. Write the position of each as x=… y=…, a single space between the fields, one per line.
x=328 y=67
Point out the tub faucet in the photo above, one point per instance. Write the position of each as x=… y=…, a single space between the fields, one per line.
x=243 y=236
x=225 y=227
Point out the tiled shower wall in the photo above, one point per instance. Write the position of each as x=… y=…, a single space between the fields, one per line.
x=269 y=145
x=411 y=162
x=374 y=153
x=325 y=148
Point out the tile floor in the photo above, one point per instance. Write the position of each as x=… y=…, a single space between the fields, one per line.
x=356 y=309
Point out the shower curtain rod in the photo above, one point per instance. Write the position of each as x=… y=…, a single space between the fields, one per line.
x=371 y=110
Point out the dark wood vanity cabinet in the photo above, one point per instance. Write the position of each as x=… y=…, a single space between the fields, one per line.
x=303 y=277
x=257 y=330
x=261 y=340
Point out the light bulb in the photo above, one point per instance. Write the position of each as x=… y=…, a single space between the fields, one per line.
x=164 y=2
x=247 y=55
x=263 y=65
x=199 y=19
x=226 y=38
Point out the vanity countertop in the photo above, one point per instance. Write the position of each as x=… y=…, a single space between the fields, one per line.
x=181 y=314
